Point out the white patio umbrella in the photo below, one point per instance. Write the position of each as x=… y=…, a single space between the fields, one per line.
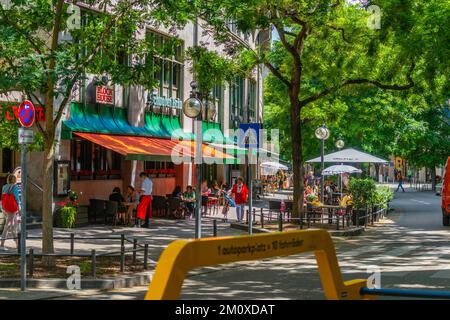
x=341 y=168
x=271 y=167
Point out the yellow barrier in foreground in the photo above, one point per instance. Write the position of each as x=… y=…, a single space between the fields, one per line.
x=182 y=256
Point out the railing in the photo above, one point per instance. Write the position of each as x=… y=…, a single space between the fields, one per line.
x=34 y=184
x=267 y=216
x=93 y=255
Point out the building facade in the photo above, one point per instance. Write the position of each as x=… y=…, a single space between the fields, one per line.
x=110 y=133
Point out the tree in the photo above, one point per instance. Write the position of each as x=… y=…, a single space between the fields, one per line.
x=326 y=48
x=36 y=60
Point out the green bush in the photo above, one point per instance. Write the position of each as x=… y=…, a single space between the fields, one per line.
x=363 y=192
x=67 y=214
x=383 y=196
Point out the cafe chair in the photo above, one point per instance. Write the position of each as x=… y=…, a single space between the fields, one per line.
x=111 y=211
x=96 y=209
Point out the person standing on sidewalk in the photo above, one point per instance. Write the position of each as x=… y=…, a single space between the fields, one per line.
x=239 y=193
x=11 y=210
x=144 y=208
x=400 y=182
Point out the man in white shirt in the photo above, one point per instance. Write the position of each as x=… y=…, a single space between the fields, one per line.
x=144 y=208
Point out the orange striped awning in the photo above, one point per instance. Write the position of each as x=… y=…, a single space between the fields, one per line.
x=153 y=149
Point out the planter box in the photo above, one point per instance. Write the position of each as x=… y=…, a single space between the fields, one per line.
x=81 y=219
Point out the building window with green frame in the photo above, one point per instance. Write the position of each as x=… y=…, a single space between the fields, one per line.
x=236 y=100
x=215 y=116
x=167 y=64
x=252 y=103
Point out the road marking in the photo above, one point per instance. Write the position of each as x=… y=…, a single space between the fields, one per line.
x=397 y=252
x=420 y=201
x=443 y=274
x=360 y=251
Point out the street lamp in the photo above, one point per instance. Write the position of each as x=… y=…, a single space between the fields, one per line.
x=340 y=143
x=192 y=108
x=322 y=133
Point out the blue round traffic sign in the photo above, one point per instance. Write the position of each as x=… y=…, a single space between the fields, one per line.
x=27 y=113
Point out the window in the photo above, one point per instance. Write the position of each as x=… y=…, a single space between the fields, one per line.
x=237 y=88
x=92 y=161
x=168 y=66
x=252 y=101
x=7 y=163
x=217 y=99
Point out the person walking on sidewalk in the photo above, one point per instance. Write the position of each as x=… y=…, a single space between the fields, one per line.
x=144 y=208
x=11 y=210
x=400 y=182
x=239 y=193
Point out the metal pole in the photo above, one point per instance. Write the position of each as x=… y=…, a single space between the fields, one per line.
x=214 y=228
x=198 y=179
x=72 y=242
x=250 y=200
x=94 y=263
x=23 y=232
x=322 y=166
x=146 y=256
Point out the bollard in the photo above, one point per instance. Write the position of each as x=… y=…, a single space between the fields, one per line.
x=280 y=222
x=262 y=218
x=122 y=259
x=146 y=256
x=31 y=263
x=254 y=214
x=214 y=228
x=72 y=243
x=122 y=240
x=134 y=250
x=247 y=216
x=94 y=263
x=18 y=241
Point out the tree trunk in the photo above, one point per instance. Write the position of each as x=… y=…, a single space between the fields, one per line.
x=47 y=200
x=297 y=157
x=433 y=178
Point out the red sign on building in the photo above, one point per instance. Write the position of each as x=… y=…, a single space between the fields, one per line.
x=10 y=112
x=104 y=95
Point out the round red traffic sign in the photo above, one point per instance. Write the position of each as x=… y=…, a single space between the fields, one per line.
x=26 y=113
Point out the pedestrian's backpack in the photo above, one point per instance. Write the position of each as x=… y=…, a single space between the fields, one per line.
x=9 y=203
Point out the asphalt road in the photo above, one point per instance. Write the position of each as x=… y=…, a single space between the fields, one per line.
x=410 y=249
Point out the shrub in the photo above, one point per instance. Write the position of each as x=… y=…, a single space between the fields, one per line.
x=67 y=214
x=362 y=191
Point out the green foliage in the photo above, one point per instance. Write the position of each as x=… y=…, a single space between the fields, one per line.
x=383 y=195
x=68 y=215
x=363 y=192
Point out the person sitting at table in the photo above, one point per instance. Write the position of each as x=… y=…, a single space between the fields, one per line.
x=215 y=189
x=116 y=196
x=132 y=200
x=189 y=201
x=205 y=193
x=177 y=192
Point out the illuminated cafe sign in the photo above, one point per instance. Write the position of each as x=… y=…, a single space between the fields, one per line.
x=173 y=103
x=104 y=95
x=10 y=111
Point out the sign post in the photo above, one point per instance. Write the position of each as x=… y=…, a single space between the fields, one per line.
x=249 y=138
x=27 y=116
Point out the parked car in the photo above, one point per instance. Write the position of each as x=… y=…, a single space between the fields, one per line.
x=439 y=189
x=446 y=195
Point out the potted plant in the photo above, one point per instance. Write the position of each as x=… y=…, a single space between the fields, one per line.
x=363 y=193
x=67 y=212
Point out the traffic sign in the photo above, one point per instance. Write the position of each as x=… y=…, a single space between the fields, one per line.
x=250 y=131
x=27 y=113
x=26 y=136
